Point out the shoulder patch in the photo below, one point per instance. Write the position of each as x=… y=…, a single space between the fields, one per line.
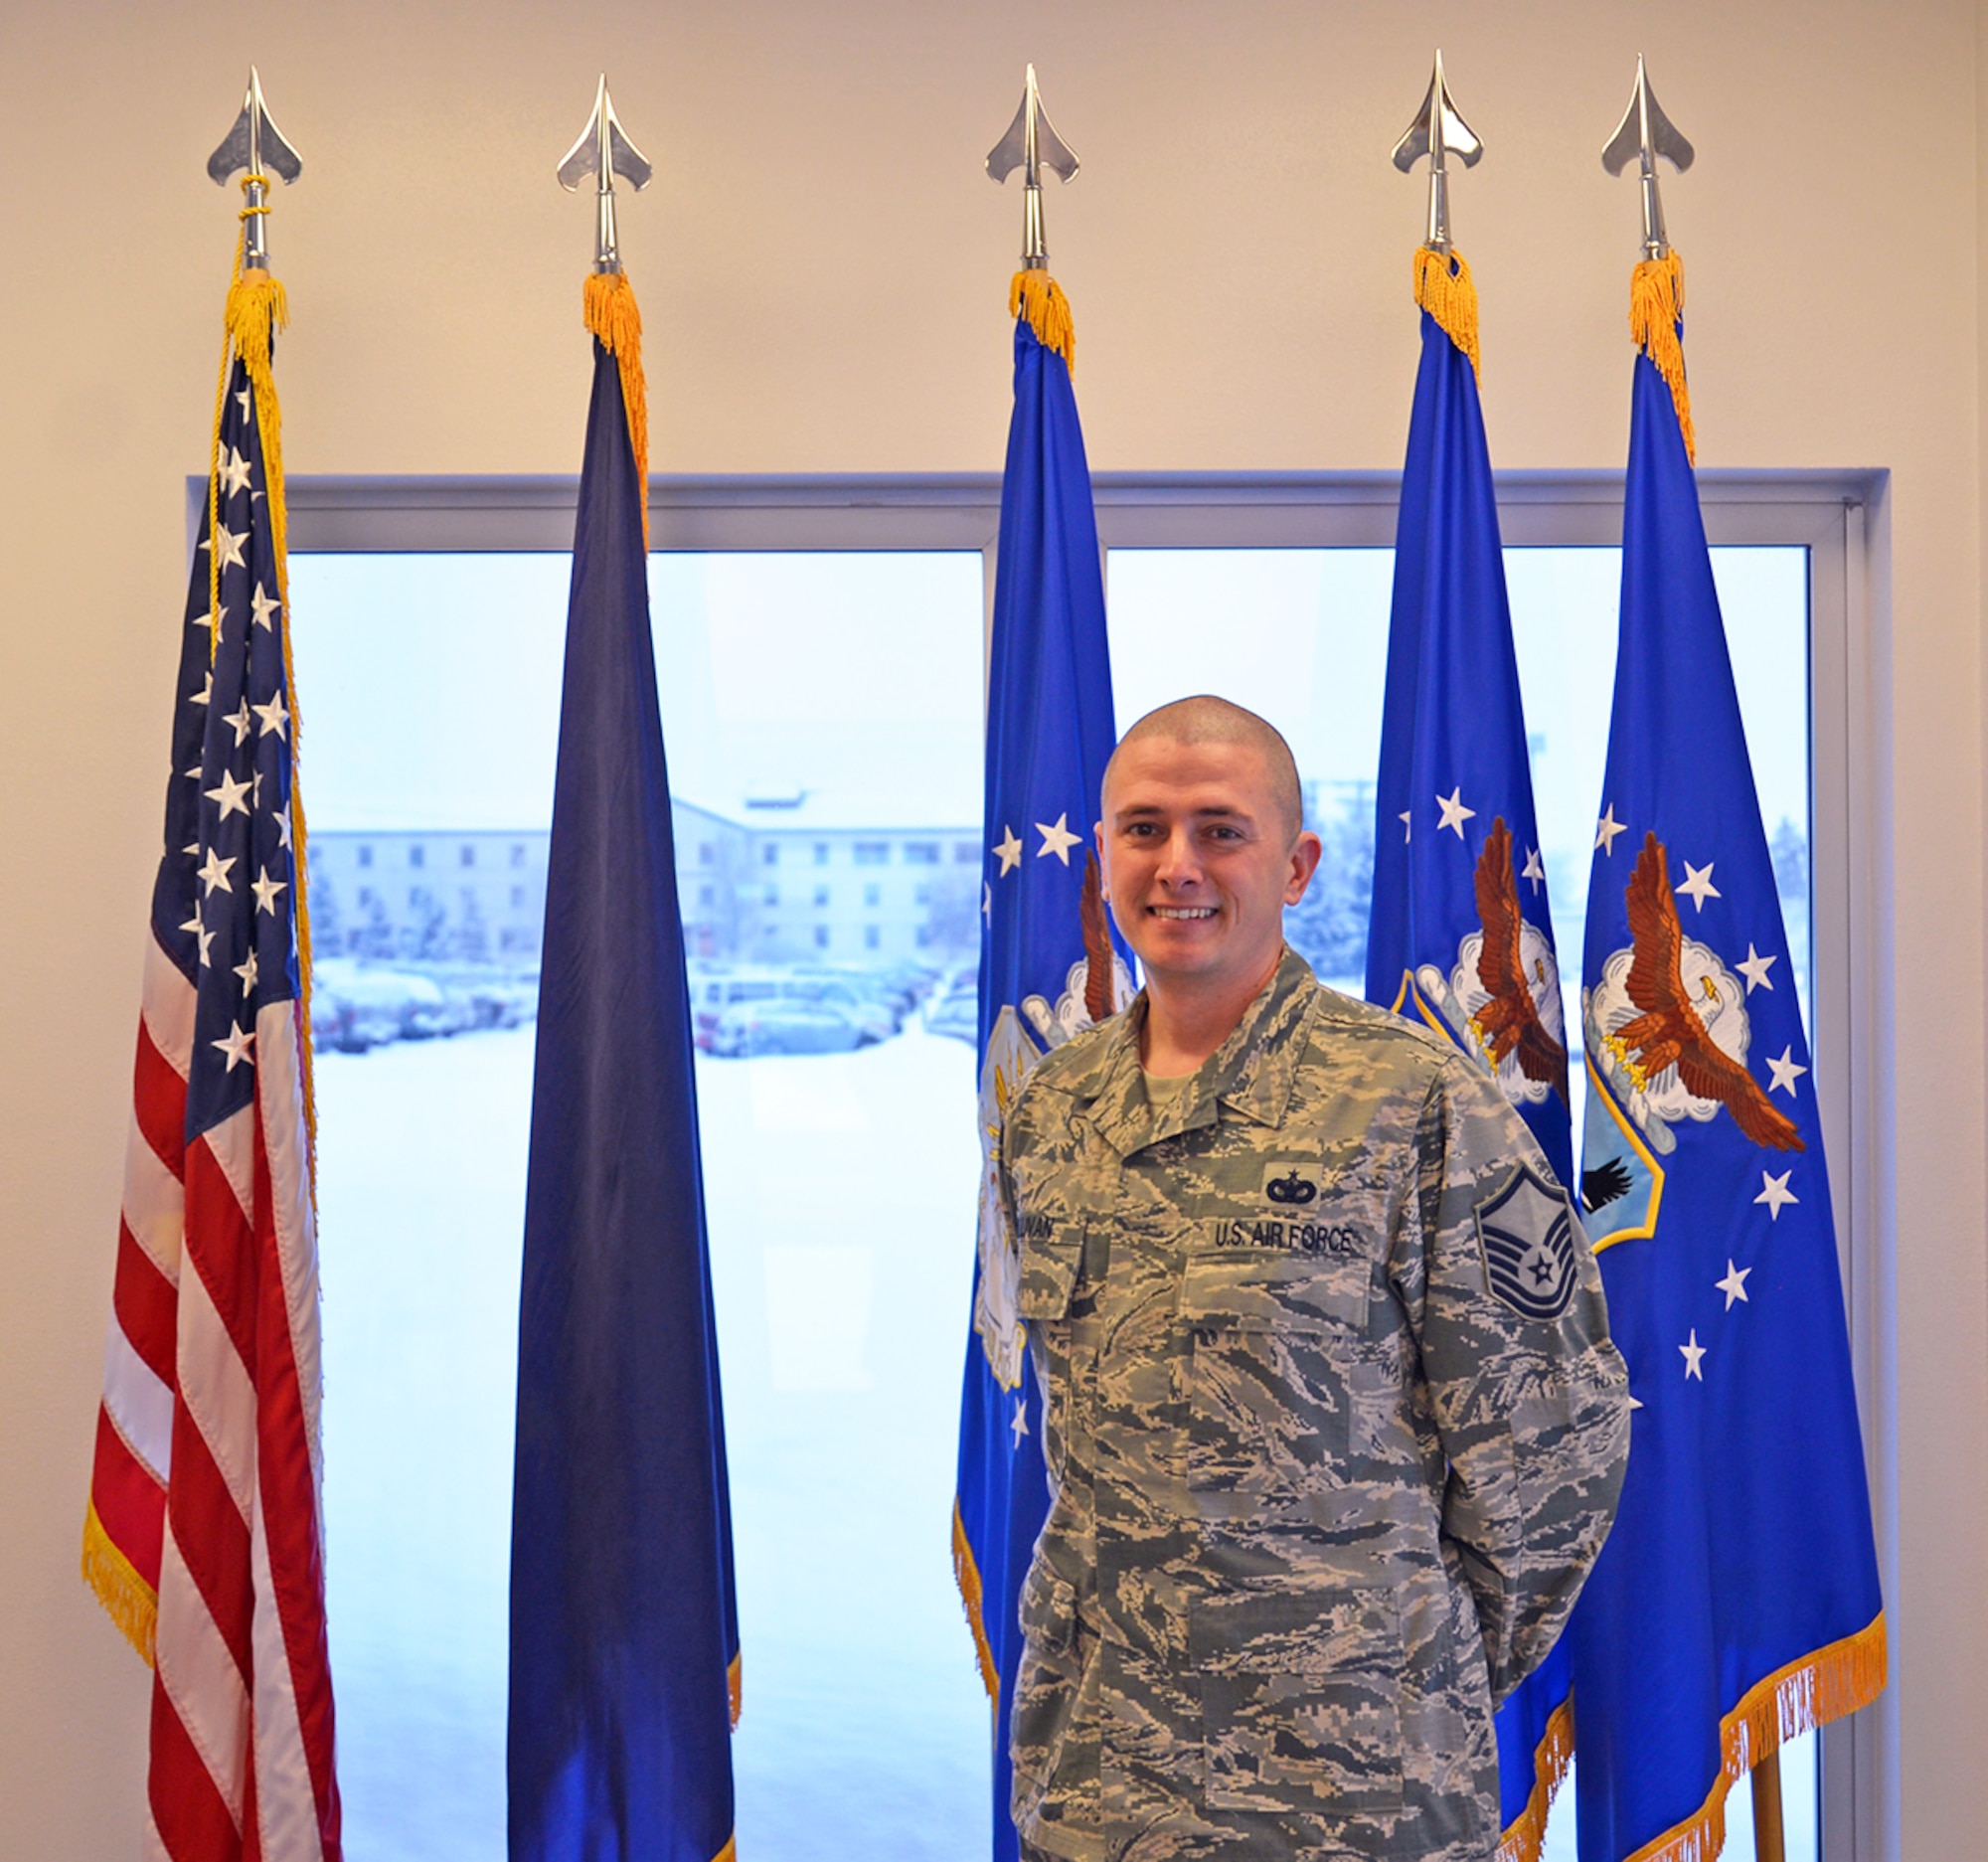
x=1527 y=1233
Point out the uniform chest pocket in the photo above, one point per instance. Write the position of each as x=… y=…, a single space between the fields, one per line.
x=1271 y=1343
x=1300 y=1689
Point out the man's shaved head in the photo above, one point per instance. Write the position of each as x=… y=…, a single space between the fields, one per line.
x=1208 y=720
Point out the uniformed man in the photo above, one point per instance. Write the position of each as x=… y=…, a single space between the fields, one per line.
x=1322 y=1494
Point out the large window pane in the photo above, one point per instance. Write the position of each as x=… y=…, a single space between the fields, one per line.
x=822 y=716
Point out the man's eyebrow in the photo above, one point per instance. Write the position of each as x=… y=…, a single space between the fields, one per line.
x=1225 y=811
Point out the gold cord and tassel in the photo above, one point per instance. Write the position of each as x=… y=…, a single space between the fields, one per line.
x=1443 y=288
x=258 y=308
x=1656 y=310
x=1037 y=297
x=610 y=311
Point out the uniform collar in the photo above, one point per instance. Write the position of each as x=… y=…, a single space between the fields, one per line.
x=1251 y=1073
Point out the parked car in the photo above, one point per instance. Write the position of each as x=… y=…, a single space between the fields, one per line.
x=956 y=1013
x=784 y=1027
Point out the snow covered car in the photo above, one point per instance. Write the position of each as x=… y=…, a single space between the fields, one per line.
x=778 y=1027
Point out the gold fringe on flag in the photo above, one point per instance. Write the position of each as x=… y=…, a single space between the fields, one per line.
x=1523 y=1842
x=132 y=1603
x=1037 y=297
x=258 y=308
x=735 y=1689
x=1443 y=288
x=1806 y=1694
x=1656 y=314
x=610 y=312
x=968 y=1575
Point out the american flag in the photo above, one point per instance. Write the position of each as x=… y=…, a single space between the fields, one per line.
x=204 y=1535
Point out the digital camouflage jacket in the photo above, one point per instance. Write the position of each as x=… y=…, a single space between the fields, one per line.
x=1334 y=1428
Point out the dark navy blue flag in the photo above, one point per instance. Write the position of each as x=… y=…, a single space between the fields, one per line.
x=1048 y=964
x=624 y=1631
x=1737 y=1601
x=1460 y=935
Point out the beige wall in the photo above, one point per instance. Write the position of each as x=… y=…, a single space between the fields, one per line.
x=823 y=269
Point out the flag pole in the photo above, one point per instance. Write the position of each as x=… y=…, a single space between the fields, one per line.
x=1644 y=134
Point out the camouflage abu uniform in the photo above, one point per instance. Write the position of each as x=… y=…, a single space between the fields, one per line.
x=1320 y=1494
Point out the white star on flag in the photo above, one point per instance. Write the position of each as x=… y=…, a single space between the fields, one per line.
x=1532 y=870
x=1058 y=840
x=246 y=971
x=1407 y=818
x=264 y=607
x=233 y=470
x=200 y=932
x=1786 y=1071
x=236 y=1045
x=214 y=872
x=266 y=890
x=1774 y=1192
x=282 y=824
x=275 y=717
x=1756 y=969
x=1698 y=886
x=240 y=721
x=1009 y=850
x=1733 y=1285
x=1454 y=813
x=230 y=795
x=1692 y=1353
x=205 y=693
x=1020 y=1425
x=231 y=542
x=1607 y=829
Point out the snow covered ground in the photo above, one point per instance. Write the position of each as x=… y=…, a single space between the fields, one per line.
x=840 y=1196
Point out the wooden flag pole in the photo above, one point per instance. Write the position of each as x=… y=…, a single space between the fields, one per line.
x=1769 y=1845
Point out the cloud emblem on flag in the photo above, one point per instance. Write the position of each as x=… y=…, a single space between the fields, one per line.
x=997 y=1298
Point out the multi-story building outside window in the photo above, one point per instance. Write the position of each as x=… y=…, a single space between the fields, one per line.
x=916 y=905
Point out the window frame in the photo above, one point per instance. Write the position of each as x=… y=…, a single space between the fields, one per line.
x=1841 y=517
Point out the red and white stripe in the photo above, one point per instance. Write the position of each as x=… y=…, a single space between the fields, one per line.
x=208 y=1472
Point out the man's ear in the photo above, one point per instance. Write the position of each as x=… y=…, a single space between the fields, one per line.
x=1306 y=852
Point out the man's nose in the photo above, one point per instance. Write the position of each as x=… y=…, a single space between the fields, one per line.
x=1178 y=864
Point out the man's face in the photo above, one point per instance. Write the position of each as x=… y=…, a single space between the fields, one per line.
x=1199 y=862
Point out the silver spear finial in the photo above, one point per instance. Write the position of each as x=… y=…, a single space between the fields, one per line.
x=1643 y=134
x=1439 y=132
x=1032 y=144
x=603 y=150
x=257 y=145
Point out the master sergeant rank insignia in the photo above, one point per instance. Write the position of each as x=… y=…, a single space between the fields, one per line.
x=1527 y=1231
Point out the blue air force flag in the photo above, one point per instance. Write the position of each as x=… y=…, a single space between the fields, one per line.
x=1737 y=1601
x=625 y=1639
x=1049 y=966
x=1460 y=935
